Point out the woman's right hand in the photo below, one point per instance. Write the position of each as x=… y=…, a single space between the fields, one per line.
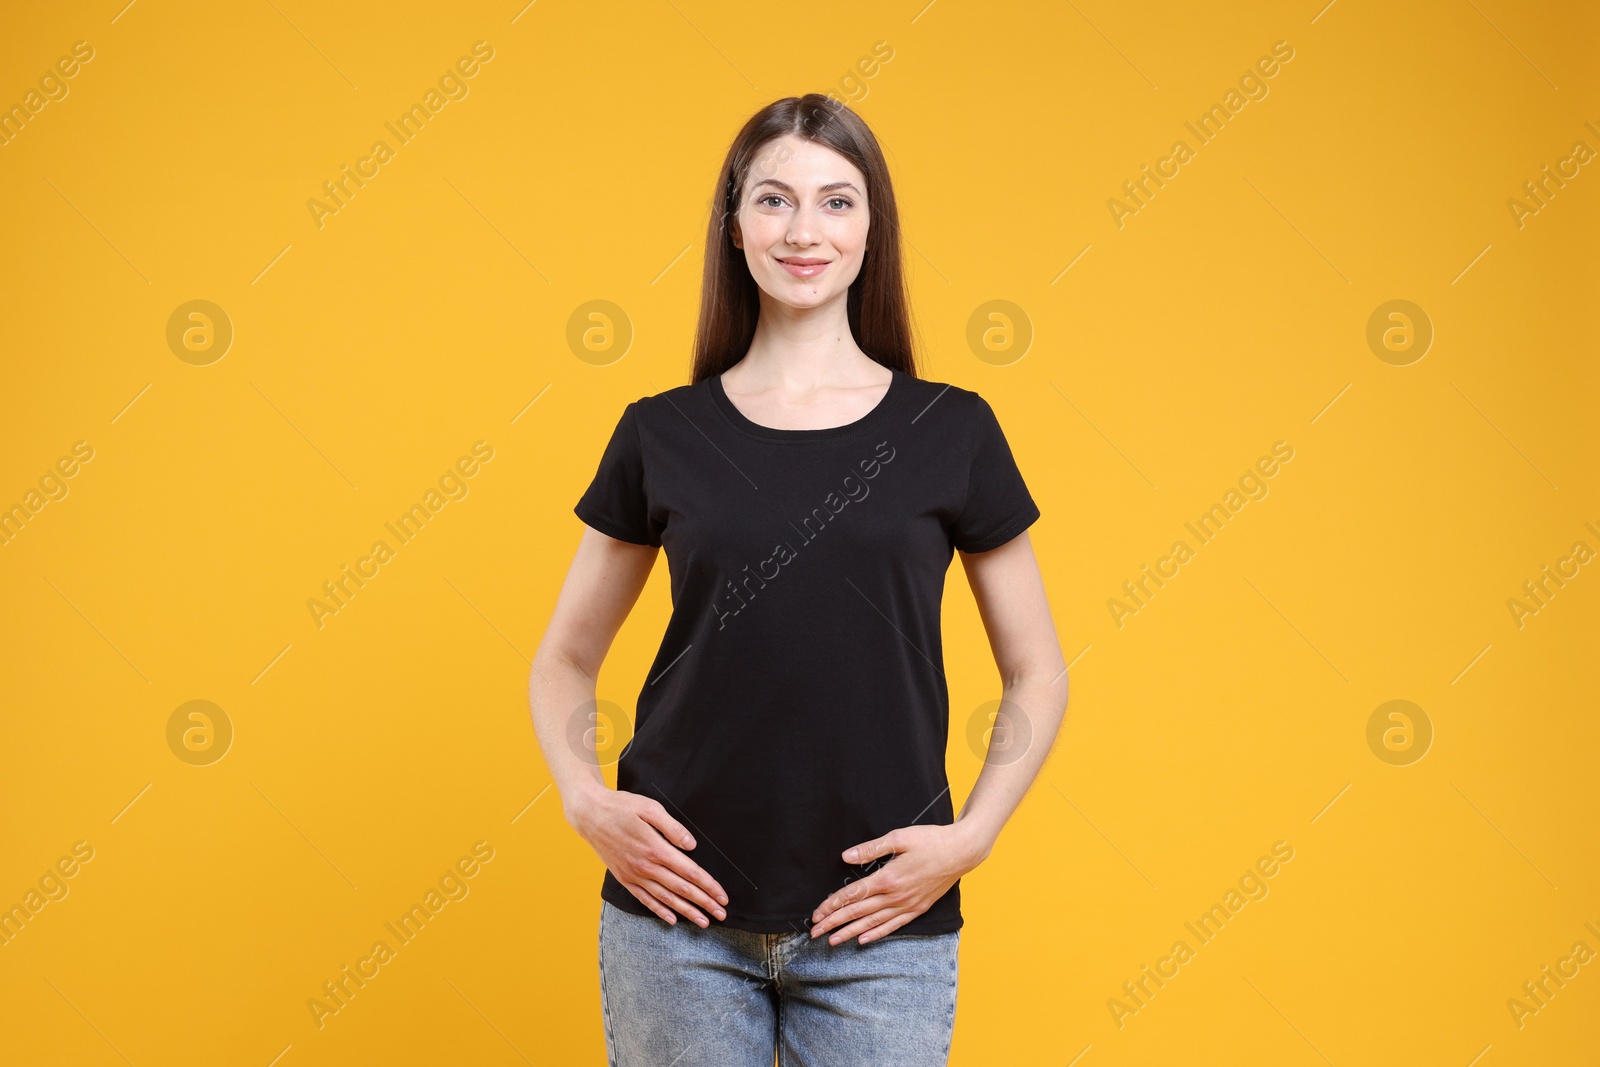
x=639 y=844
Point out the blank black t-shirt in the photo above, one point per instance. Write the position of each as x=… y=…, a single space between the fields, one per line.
x=797 y=704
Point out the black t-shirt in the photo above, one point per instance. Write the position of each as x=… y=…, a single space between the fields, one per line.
x=797 y=704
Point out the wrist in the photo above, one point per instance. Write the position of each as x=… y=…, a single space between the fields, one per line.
x=975 y=839
x=579 y=797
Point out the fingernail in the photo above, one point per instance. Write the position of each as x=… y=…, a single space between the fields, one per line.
x=852 y=854
x=721 y=914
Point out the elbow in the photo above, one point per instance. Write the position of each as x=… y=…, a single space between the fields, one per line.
x=549 y=661
x=1046 y=670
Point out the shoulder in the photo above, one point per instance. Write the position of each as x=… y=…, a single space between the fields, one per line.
x=947 y=403
x=655 y=408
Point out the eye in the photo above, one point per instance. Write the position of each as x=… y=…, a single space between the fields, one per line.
x=769 y=196
x=846 y=201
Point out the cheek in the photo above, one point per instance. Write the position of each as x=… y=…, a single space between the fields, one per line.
x=851 y=243
x=758 y=234
x=850 y=237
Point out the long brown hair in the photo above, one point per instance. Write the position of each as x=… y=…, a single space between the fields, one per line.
x=877 y=307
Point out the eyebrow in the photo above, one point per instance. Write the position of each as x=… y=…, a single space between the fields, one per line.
x=830 y=187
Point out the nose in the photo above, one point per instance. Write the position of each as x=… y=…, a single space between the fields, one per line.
x=802 y=228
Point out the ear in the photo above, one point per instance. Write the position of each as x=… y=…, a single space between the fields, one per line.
x=738 y=239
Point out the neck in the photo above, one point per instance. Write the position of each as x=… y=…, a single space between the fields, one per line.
x=801 y=349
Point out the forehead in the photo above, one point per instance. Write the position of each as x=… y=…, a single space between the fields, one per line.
x=802 y=164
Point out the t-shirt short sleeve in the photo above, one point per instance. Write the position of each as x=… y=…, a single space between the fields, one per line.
x=616 y=502
x=998 y=505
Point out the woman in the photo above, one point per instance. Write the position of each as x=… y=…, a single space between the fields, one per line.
x=810 y=491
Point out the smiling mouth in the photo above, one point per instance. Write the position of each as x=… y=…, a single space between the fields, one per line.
x=804 y=267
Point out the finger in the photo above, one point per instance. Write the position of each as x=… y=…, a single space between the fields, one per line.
x=677 y=903
x=687 y=868
x=643 y=896
x=849 y=913
x=685 y=888
x=859 y=889
x=885 y=929
x=868 y=851
x=670 y=828
x=861 y=926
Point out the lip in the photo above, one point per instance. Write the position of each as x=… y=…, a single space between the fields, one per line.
x=804 y=266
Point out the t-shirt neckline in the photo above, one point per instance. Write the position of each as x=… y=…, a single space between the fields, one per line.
x=740 y=422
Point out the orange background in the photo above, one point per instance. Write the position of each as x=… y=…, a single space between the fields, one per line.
x=1163 y=357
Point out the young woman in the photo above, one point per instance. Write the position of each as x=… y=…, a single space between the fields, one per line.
x=810 y=490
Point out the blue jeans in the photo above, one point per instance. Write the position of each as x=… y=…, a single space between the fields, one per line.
x=674 y=994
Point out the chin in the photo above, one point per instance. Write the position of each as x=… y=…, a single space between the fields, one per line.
x=802 y=300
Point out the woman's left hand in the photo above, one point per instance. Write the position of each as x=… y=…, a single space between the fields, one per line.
x=927 y=861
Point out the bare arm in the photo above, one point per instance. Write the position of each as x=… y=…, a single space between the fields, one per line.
x=1022 y=634
x=635 y=837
